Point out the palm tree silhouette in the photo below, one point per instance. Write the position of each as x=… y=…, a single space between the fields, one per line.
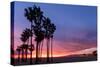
x=31 y=50
x=46 y=27
x=22 y=49
x=26 y=50
x=49 y=31
x=24 y=37
x=29 y=15
x=19 y=51
x=39 y=37
x=41 y=47
x=34 y=14
x=52 y=30
x=28 y=34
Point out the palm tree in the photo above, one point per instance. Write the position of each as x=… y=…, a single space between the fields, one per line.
x=52 y=30
x=28 y=34
x=29 y=15
x=22 y=49
x=49 y=30
x=18 y=50
x=39 y=38
x=26 y=50
x=34 y=14
x=39 y=33
x=41 y=47
x=24 y=37
x=46 y=27
x=31 y=50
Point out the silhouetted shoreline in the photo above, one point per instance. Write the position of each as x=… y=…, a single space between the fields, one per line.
x=64 y=59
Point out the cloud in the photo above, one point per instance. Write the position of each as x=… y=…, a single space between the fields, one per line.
x=87 y=51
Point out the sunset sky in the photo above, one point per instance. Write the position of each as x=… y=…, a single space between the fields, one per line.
x=76 y=26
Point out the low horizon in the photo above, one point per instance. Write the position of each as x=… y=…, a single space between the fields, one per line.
x=86 y=51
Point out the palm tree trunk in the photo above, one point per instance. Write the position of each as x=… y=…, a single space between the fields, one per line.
x=41 y=51
x=48 y=50
x=41 y=48
x=27 y=49
x=51 y=49
x=22 y=54
x=26 y=54
x=31 y=46
x=37 y=52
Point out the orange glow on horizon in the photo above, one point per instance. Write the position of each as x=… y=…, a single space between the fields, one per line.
x=43 y=55
x=57 y=54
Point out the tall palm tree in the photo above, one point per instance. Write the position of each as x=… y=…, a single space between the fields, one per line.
x=34 y=14
x=49 y=30
x=24 y=37
x=46 y=25
x=22 y=49
x=26 y=50
x=18 y=50
x=38 y=31
x=41 y=48
x=31 y=50
x=52 y=30
x=39 y=38
x=29 y=15
x=28 y=34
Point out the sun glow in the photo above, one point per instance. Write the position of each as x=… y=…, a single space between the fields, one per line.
x=58 y=54
x=43 y=55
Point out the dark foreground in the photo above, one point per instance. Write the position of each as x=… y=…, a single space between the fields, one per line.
x=74 y=58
